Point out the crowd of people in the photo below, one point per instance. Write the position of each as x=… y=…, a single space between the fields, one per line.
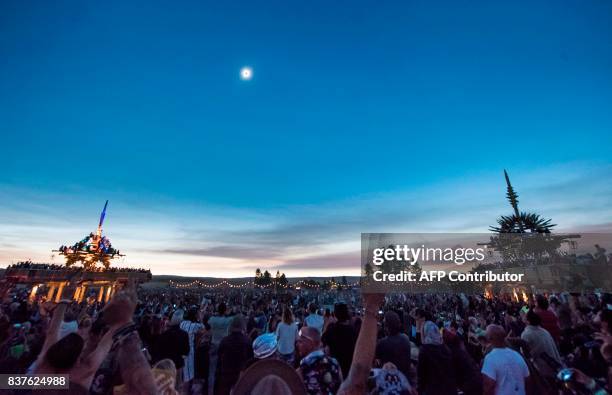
x=91 y=243
x=29 y=265
x=262 y=341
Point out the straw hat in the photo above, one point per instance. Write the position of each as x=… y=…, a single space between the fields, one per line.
x=162 y=371
x=269 y=376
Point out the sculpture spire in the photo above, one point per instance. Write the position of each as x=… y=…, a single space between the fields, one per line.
x=102 y=215
x=519 y=222
x=511 y=194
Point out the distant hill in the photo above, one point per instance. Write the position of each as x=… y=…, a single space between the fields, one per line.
x=161 y=280
x=169 y=277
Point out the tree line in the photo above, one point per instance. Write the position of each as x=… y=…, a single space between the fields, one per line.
x=265 y=279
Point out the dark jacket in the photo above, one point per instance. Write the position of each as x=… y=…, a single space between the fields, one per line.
x=468 y=376
x=435 y=371
x=172 y=344
x=234 y=351
x=395 y=349
x=341 y=337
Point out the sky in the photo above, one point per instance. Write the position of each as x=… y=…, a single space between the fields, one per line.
x=360 y=117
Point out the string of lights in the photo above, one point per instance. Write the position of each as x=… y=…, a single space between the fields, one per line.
x=251 y=284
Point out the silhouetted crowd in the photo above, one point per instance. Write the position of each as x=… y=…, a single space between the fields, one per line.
x=91 y=243
x=50 y=266
x=257 y=341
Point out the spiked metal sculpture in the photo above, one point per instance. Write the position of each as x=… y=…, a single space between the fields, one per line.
x=520 y=222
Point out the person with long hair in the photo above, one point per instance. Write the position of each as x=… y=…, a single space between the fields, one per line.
x=287 y=332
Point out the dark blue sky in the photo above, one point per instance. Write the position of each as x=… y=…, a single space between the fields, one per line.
x=348 y=99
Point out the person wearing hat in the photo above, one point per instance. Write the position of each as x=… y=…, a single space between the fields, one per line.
x=233 y=353
x=269 y=376
x=265 y=346
x=164 y=373
x=320 y=373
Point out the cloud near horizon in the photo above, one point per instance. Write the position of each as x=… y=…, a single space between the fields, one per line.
x=199 y=240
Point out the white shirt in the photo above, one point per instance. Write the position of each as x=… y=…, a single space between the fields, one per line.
x=508 y=369
x=315 y=321
x=287 y=335
x=191 y=328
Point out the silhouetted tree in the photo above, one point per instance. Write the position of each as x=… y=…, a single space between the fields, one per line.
x=266 y=279
x=257 y=280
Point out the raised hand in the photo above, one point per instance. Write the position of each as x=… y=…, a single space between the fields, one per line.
x=120 y=309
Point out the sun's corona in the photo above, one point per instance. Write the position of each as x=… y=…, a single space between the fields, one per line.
x=246 y=73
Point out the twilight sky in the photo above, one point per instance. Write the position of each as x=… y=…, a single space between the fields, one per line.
x=360 y=117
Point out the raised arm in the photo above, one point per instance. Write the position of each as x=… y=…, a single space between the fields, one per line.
x=54 y=326
x=365 y=348
x=135 y=370
x=134 y=367
x=84 y=372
